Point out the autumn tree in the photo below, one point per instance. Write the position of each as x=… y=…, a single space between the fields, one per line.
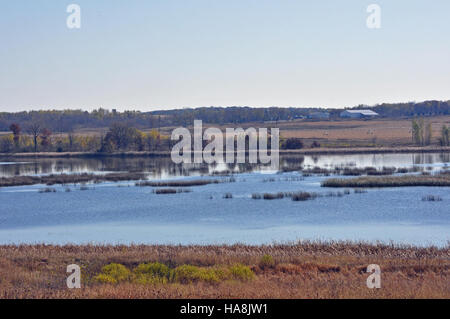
x=445 y=136
x=122 y=136
x=16 y=129
x=46 y=137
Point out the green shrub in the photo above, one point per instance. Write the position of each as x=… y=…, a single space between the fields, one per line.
x=187 y=274
x=153 y=269
x=152 y=273
x=145 y=279
x=113 y=273
x=266 y=261
x=241 y=272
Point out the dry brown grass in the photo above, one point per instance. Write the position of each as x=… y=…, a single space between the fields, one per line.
x=385 y=132
x=304 y=270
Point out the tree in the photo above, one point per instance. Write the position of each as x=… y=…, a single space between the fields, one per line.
x=121 y=136
x=34 y=129
x=6 y=144
x=71 y=138
x=153 y=139
x=421 y=135
x=15 y=128
x=45 y=137
x=445 y=136
x=292 y=144
x=427 y=134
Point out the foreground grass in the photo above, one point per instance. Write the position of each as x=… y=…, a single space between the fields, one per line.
x=303 y=270
x=390 y=181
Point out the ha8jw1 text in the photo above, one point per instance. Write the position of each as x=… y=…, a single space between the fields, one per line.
x=245 y=309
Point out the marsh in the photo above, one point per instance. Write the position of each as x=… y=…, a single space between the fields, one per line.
x=121 y=212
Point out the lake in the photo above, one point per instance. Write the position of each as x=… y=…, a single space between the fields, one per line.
x=113 y=213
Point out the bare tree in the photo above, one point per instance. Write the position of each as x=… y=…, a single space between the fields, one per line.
x=71 y=137
x=34 y=129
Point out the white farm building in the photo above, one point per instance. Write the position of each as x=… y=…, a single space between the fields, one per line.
x=358 y=114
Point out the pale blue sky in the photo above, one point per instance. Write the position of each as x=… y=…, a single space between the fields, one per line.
x=150 y=54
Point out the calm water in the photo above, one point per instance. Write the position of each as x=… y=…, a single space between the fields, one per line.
x=123 y=213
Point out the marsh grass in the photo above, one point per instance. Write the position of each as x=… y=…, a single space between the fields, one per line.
x=268 y=196
x=353 y=171
x=184 y=183
x=64 y=179
x=438 y=180
x=432 y=198
x=303 y=196
x=164 y=191
x=47 y=190
x=298 y=196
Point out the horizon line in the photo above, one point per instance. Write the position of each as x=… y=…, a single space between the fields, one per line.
x=213 y=106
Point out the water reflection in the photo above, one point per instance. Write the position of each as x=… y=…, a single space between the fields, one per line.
x=162 y=167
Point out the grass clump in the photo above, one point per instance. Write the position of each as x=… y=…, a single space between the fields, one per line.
x=47 y=190
x=163 y=191
x=268 y=196
x=266 y=261
x=303 y=196
x=432 y=198
x=241 y=272
x=256 y=196
x=113 y=273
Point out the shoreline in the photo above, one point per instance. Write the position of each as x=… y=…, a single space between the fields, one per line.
x=309 y=151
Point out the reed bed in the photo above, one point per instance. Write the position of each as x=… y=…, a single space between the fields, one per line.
x=295 y=196
x=165 y=191
x=64 y=179
x=436 y=180
x=303 y=196
x=47 y=190
x=353 y=171
x=432 y=198
x=184 y=183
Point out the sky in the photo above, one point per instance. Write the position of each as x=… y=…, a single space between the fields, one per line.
x=163 y=54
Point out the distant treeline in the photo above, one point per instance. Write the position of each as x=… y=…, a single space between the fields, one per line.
x=69 y=120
